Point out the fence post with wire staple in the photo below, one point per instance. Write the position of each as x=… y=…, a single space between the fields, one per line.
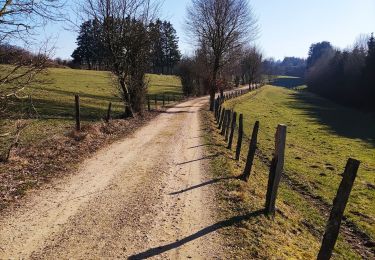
x=251 y=154
x=233 y=127
x=276 y=169
x=78 y=113
x=240 y=136
x=338 y=208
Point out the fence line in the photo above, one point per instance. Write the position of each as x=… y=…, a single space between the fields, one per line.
x=222 y=117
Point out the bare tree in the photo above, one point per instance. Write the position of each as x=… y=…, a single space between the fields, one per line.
x=251 y=65
x=126 y=40
x=223 y=26
x=18 y=21
x=19 y=18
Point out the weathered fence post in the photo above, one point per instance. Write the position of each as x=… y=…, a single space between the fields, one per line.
x=276 y=169
x=338 y=208
x=148 y=103
x=239 y=138
x=215 y=107
x=218 y=112
x=156 y=101
x=251 y=154
x=224 y=124
x=77 y=114
x=233 y=127
x=221 y=118
x=230 y=116
x=109 y=112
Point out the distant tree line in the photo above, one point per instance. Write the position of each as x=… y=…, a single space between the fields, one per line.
x=289 y=66
x=92 y=51
x=244 y=67
x=344 y=76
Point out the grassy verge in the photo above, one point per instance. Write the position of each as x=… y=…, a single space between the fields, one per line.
x=299 y=225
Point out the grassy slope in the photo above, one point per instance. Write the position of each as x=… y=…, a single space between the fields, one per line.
x=321 y=136
x=54 y=100
x=295 y=232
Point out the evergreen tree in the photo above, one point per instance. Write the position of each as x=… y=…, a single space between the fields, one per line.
x=164 y=47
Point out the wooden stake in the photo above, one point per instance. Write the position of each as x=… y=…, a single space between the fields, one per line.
x=276 y=170
x=227 y=127
x=233 y=127
x=224 y=122
x=148 y=103
x=109 y=112
x=338 y=208
x=78 y=114
x=239 y=138
x=221 y=117
x=251 y=154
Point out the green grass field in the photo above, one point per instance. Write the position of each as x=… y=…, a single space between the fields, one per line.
x=54 y=100
x=321 y=137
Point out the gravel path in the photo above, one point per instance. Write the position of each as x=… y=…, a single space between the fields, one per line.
x=134 y=199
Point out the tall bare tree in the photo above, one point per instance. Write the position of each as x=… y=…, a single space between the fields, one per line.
x=126 y=40
x=18 y=21
x=223 y=26
x=251 y=64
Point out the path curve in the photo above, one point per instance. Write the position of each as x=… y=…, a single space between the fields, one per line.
x=137 y=198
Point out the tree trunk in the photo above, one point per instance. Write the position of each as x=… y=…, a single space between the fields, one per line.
x=212 y=99
x=126 y=98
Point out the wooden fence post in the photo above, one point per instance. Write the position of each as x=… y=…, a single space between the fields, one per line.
x=221 y=118
x=148 y=103
x=251 y=154
x=156 y=101
x=218 y=112
x=215 y=107
x=78 y=114
x=109 y=112
x=338 y=208
x=233 y=127
x=239 y=138
x=276 y=170
x=230 y=116
x=224 y=124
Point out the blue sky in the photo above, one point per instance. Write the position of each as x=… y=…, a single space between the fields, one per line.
x=288 y=27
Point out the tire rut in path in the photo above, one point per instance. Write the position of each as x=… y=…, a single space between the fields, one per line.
x=131 y=199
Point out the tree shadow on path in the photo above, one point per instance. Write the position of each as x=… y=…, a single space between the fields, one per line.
x=222 y=224
x=203 y=184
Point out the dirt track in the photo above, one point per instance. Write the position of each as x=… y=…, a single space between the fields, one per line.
x=137 y=198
